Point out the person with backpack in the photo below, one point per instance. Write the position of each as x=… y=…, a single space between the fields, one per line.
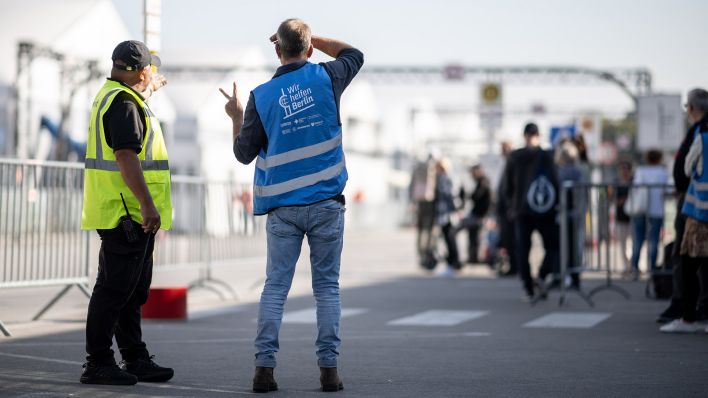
x=531 y=190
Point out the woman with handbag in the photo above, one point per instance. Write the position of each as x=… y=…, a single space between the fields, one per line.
x=645 y=206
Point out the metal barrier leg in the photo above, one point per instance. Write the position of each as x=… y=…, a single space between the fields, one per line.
x=610 y=286
x=84 y=289
x=258 y=283
x=225 y=285
x=4 y=330
x=585 y=296
x=52 y=302
x=201 y=284
x=206 y=280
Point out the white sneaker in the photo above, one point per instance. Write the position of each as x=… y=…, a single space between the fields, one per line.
x=679 y=326
x=448 y=272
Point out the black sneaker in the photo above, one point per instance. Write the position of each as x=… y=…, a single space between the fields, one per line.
x=145 y=369
x=109 y=374
x=671 y=313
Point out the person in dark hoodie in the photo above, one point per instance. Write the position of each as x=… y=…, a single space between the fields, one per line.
x=531 y=190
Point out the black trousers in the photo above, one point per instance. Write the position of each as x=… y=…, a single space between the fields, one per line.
x=473 y=243
x=689 y=268
x=507 y=241
x=425 y=220
x=550 y=233
x=686 y=280
x=122 y=287
x=453 y=257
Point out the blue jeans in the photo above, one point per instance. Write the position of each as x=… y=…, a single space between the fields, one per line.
x=639 y=230
x=323 y=223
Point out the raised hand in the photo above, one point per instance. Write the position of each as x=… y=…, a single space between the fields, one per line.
x=157 y=82
x=233 y=106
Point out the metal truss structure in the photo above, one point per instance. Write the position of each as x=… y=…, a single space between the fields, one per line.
x=633 y=82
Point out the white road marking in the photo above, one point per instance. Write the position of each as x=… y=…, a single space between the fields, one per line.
x=61 y=361
x=200 y=314
x=438 y=318
x=570 y=320
x=309 y=315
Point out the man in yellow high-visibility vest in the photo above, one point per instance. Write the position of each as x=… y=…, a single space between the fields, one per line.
x=127 y=200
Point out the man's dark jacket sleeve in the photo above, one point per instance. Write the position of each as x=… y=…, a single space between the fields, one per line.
x=253 y=136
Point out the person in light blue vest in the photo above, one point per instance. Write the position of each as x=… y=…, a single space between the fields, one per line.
x=693 y=249
x=293 y=129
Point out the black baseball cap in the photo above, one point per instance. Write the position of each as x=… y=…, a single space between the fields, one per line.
x=133 y=55
x=531 y=129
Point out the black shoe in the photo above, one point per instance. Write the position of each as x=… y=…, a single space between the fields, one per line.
x=263 y=380
x=541 y=289
x=109 y=374
x=329 y=380
x=145 y=369
x=671 y=313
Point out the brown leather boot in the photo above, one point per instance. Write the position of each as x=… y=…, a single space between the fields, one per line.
x=263 y=381
x=329 y=379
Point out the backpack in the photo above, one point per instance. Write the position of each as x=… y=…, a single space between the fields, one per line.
x=541 y=195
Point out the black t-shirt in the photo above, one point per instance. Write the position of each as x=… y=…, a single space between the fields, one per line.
x=123 y=123
x=622 y=195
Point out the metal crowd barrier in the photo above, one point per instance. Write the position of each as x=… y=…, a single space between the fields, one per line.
x=42 y=244
x=209 y=219
x=589 y=234
x=40 y=216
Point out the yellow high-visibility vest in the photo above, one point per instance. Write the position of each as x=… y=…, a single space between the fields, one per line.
x=103 y=183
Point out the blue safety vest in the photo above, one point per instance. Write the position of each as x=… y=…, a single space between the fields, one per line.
x=304 y=162
x=696 y=203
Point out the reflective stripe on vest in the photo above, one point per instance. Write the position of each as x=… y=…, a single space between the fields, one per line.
x=300 y=182
x=696 y=202
x=299 y=154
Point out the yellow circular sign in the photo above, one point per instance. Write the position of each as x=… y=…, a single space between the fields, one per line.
x=490 y=93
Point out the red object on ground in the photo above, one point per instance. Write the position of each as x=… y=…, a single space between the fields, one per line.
x=166 y=303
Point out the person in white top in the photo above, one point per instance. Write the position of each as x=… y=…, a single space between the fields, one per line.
x=647 y=226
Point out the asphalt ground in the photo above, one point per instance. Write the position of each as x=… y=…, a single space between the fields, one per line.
x=404 y=334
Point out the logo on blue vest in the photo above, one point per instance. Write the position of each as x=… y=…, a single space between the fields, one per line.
x=296 y=100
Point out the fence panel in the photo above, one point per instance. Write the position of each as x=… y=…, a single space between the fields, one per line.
x=593 y=240
x=42 y=244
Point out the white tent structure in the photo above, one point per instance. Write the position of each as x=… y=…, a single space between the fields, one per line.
x=63 y=36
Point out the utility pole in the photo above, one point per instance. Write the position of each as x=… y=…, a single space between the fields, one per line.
x=152 y=25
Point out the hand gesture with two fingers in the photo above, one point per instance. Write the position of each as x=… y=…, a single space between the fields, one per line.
x=233 y=106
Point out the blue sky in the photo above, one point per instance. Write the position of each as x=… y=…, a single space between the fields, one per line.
x=668 y=37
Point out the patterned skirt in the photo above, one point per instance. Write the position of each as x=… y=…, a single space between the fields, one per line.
x=695 y=239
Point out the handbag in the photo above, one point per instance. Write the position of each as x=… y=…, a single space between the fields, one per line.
x=637 y=202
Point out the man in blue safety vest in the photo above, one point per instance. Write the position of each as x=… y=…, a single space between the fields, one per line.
x=293 y=129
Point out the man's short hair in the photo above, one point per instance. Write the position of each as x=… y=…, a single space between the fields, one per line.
x=654 y=157
x=698 y=100
x=293 y=37
x=530 y=129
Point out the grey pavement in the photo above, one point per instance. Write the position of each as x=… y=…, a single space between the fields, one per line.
x=404 y=334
